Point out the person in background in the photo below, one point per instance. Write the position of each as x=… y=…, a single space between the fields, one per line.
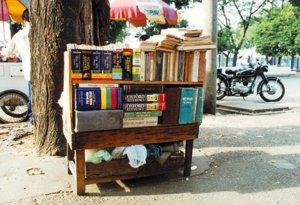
x=20 y=44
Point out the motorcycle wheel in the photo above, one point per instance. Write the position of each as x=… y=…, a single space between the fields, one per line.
x=13 y=106
x=221 y=88
x=272 y=91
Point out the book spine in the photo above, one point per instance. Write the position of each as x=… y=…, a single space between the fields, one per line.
x=114 y=98
x=117 y=64
x=171 y=114
x=120 y=98
x=164 y=67
x=137 y=107
x=151 y=60
x=195 y=67
x=147 y=89
x=200 y=105
x=86 y=64
x=108 y=98
x=176 y=64
x=107 y=62
x=76 y=64
x=159 y=65
x=140 y=122
x=127 y=71
x=160 y=97
x=171 y=63
x=186 y=106
x=181 y=65
x=87 y=99
x=136 y=65
x=96 y=62
x=168 y=66
x=143 y=66
x=103 y=99
x=142 y=114
x=195 y=99
x=202 y=67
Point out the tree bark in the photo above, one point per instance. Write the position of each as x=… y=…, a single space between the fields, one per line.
x=292 y=62
x=211 y=65
x=235 y=57
x=53 y=25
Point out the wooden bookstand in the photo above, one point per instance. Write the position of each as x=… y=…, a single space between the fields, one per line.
x=87 y=173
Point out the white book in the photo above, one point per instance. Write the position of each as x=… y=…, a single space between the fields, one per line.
x=195 y=67
x=143 y=66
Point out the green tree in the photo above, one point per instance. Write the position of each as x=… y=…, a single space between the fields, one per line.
x=116 y=32
x=278 y=33
x=247 y=12
x=225 y=44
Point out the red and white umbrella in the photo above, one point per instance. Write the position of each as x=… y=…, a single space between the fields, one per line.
x=137 y=12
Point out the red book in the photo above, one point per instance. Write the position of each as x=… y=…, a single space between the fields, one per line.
x=114 y=98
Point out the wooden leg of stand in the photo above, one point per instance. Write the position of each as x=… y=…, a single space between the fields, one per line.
x=188 y=157
x=80 y=171
x=70 y=156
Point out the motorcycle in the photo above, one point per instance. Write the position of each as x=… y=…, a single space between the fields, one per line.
x=242 y=83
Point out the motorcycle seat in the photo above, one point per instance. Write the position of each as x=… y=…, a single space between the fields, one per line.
x=231 y=72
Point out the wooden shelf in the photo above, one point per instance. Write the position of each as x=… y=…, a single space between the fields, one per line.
x=124 y=82
x=192 y=48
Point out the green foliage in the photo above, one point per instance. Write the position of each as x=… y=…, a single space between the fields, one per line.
x=116 y=32
x=278 y=33
x=154 y=29
x=295 y=2
x=225 y=43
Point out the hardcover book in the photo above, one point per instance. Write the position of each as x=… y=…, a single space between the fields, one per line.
x=127 y=58
x=159 y=97
x=87 y=98
x=76 y=64
x=98 y=120
x=142 y=114
x=86 y=64
x=140 y=122
x=137 y=107
x=171 y=114
x=181 y=65
x=200 y=105
x=117 y=64
x=96 y=65
x=159 y=65
x=195 y=67
x=106 y=65
x=143 y=66
x=146 y=89
x=186 y=106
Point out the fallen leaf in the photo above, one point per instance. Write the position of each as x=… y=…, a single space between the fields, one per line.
x=35 y=171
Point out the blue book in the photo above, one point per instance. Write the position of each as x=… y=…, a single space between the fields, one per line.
x=200 y=105
x=195 y=97
x=88 y=98
x=120 y=98
x=186 y=106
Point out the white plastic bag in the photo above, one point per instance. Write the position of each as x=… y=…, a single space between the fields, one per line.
x=136 y=154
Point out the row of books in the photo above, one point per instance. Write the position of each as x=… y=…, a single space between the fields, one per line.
x=143 y=106
x=172 y=66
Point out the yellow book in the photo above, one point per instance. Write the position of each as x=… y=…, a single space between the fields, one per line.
x=103 y=99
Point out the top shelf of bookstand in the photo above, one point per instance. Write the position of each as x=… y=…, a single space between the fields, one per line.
x=200 y=47
x=124 y=82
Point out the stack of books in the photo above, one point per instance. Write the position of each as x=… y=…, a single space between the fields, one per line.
x=98 y=108
x=184 y=105
x=143 y=105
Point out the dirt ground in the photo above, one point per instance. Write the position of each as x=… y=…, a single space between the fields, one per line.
x=255 y=160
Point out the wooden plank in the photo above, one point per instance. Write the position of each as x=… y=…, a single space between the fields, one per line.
x=132 y=136
x=123 y=82
x=94 y=180
x=80 y=171
x=188 y=158
x=199 y=47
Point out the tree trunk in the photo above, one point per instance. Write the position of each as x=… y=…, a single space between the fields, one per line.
x=235 y=57
x=227 y=60
x=292 y=62
x=211 y=65
x=53 y=25
x=279 y=61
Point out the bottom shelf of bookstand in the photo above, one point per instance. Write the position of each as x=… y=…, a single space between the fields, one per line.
x=86 y=173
